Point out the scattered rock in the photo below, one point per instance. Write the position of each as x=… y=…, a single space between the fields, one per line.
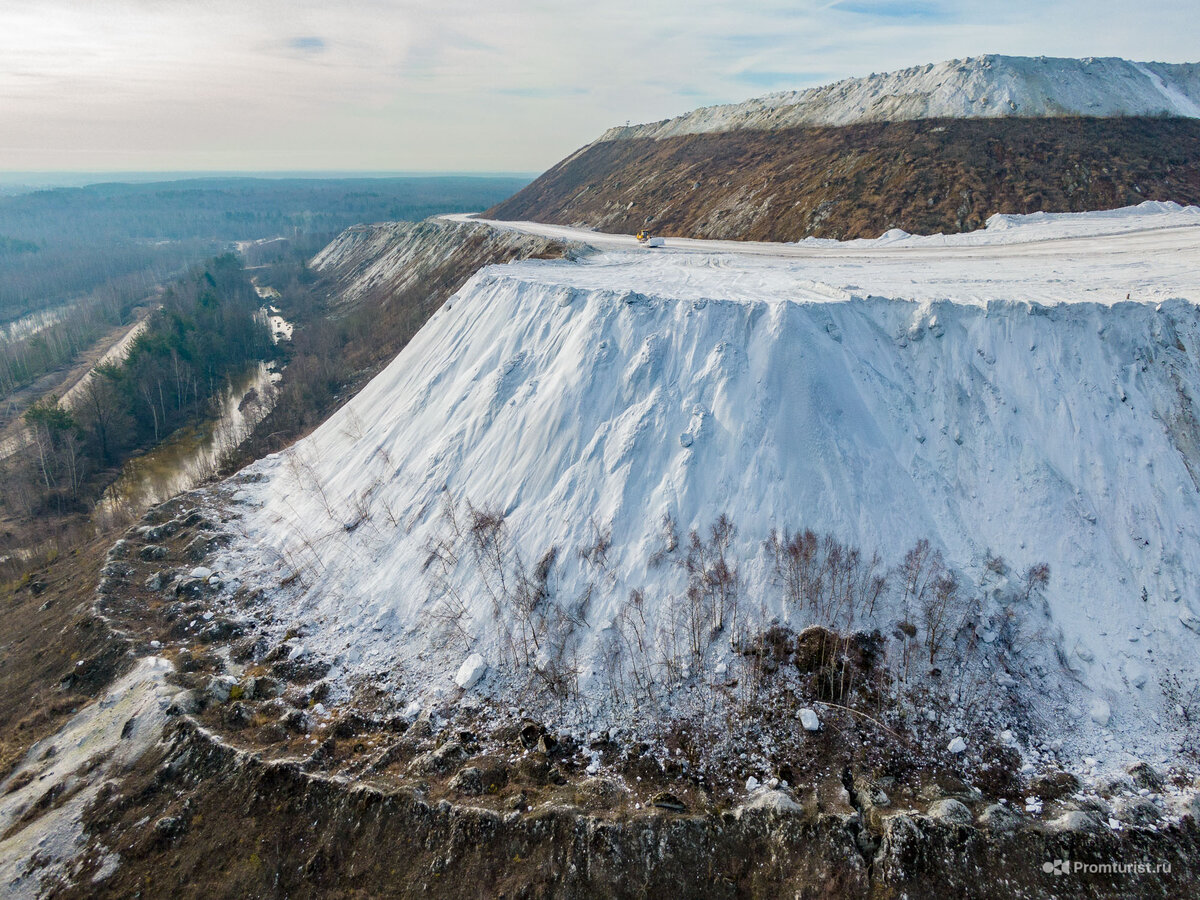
x=220 y=687
x=808 y=718
x=1055 y=785
x=957 y=745
x=774 y=801
x=665 y=800
x=999 y=817
x=468 y=782
x=153 y=552
x=237 y=715
x=294 y=720
x=1074 y=820
x=351 y=724
x=1146 y=776
x=169 y=827
x=189 y=588
x=1100 y=712
x=438 y=761
x=1140 y=811
x=219 y=630
x=185 y=703
x=262 y=687
x=600 y=793
x=530 y=734
x=950 y=811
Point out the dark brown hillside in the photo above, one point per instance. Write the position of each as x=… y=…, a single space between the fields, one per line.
x=860 y=180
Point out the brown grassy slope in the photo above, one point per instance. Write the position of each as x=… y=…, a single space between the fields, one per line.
x=858 y=181
x=55 y=655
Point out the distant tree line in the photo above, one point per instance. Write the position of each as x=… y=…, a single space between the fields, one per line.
x=56 y=245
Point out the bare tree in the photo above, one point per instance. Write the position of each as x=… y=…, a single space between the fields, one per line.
x=713 y=585
x=939 y=605
x=101 y=411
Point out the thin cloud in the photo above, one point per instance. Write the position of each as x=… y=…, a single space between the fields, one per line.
x=308 y=44
x=894 y=9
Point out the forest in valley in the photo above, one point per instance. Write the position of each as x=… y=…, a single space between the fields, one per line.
x=208 y=328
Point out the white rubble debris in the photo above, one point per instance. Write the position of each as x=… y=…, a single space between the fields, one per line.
x=808 y=718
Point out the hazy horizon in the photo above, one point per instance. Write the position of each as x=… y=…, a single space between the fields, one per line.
x=11 y=175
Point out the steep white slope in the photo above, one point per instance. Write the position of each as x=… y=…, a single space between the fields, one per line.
x=587 y=399
x=978 y=87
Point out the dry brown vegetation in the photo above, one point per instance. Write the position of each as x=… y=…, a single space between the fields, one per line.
x=55 y=655
x=858 y=181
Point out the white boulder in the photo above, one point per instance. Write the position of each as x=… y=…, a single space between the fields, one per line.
x=469 y=673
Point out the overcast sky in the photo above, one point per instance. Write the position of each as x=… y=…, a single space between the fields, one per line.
x=447 y=85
